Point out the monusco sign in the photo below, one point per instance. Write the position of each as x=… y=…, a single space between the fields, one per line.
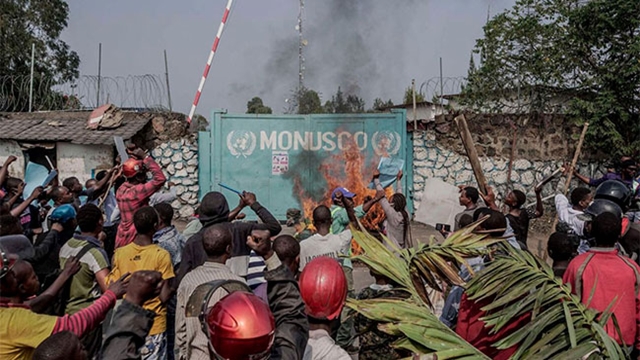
x=244 y=142
x=270 y=154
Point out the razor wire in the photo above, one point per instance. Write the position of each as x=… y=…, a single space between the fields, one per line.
x=436 y=87
x=146 y=92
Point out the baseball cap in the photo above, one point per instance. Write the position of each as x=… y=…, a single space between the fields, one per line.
x=345 y=192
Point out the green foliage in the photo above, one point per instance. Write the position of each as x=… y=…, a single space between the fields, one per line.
x=561 y=326
x=579 y=57
x=339 y=104
x=255 y=106
x=309 y=102
x=379 y=104
x=408 y=96
x=39 y=22
x=518 y=283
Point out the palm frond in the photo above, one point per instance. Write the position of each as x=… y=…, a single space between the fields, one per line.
x=561 y=326
x=424 y=332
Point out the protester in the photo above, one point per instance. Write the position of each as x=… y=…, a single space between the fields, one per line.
x=46 y=260
x=88 y=284
x=143 y=254
x=297 y=224
x=4 y=173
x=627 y=173
x=374 y=343
x=288 y=250
x=396 y=224
x=134 y=194
x=97 y=187
x=131 y=322
x=323 y=242
x=518 y=217
x=168 y=236
x=109 y=205
x=64 y=345
x=323 y=287
x=561 y=250
x=60 y=196
x=28 y=214
x=214 y=209
x=581 y=197
x=191 y=342
x=588 y=273
x=469 y=199
x=23 y=330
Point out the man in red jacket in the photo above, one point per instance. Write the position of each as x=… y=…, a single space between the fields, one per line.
x=602 y=276
x=135 y=193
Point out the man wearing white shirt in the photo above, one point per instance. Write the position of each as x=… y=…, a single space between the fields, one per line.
x=581 y=197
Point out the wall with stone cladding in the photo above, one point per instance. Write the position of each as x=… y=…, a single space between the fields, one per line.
x=179 y=162
x=541 y=148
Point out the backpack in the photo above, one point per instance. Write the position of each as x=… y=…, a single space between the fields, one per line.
x=60 y=304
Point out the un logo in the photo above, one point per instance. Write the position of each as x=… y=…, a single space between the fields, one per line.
x=386 y=143
x=241 y=143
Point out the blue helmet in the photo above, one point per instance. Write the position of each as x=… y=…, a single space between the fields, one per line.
x=63 y=213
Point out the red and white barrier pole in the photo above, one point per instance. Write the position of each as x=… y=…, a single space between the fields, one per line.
x=225 y=16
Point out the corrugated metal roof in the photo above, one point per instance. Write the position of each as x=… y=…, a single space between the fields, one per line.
x=68 y=126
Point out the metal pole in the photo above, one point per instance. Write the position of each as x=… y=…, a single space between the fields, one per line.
x=300 y=46
x=33 y=58
x=415 y=117
x=214 y=47
x=99 y=73
x=441 y=84
x=166 y=73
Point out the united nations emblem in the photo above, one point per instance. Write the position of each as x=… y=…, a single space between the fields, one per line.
x=241 y=143
x=386 y=143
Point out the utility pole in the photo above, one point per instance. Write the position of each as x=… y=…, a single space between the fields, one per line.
x=301 y=43
x=33 y=59
x=99 y=73
x=166 y=73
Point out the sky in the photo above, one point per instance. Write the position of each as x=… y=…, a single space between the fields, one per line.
x=372 y=48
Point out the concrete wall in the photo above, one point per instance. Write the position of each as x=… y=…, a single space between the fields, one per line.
x=81 y=161
x=10 y=147
x=179 y=161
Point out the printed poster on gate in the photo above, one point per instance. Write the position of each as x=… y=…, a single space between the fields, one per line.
x=279 y=162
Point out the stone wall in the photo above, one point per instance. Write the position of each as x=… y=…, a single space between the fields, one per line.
x=542 y=148
x=179 y=162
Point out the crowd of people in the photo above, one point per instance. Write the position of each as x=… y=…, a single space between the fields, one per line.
x=100 y=272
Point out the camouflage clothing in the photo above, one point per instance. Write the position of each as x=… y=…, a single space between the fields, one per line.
x=375 y=344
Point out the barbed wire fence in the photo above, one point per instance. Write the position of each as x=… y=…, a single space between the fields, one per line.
x=146 y=92
x=436 y=87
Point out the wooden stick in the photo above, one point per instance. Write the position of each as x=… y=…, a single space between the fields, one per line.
x=567 y=183
x=469 y=146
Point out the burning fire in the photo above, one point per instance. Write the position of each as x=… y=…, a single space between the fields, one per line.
x=346 y=169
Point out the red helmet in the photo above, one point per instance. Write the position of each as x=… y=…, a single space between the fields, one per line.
x=323 y=287
x=241 y=326
x=132 y=167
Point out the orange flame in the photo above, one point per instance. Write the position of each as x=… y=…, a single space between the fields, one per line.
x=346 y=169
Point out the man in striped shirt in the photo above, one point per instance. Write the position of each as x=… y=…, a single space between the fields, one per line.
x=191 y=341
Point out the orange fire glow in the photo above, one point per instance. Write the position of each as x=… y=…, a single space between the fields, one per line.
x=346 y=169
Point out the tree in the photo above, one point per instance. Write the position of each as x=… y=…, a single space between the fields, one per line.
x=309 y=102
x=255 y=106
x=39 y=22
x=339 y=104
x=408 y=96
x=542 y=51
x=379 y=104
